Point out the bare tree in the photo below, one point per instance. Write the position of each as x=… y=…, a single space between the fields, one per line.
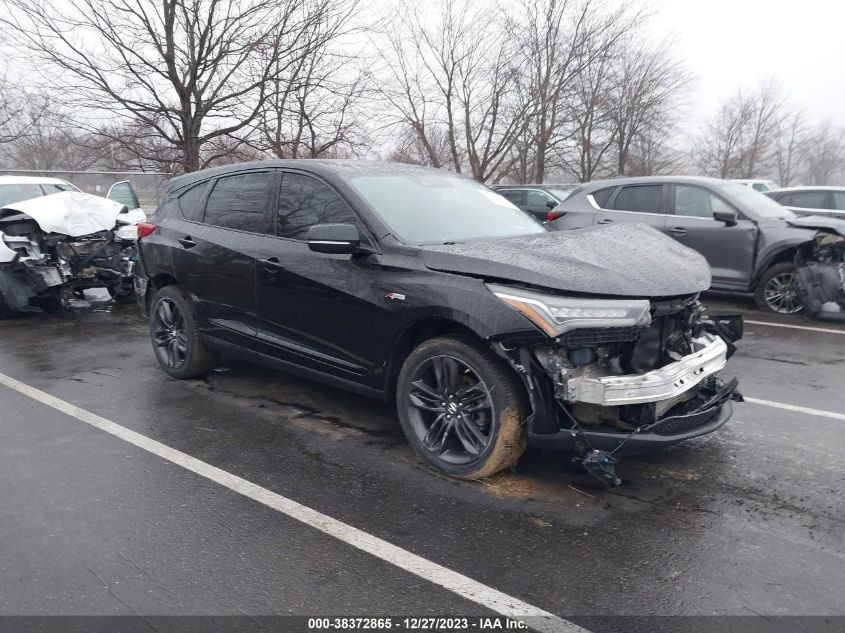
x=42 y=137
x=319 y=112
x=647 y=87
x=591 y=124
x=652 y=153
x=742 y=140
x=826 y=157
x=449 y=69
x=766 y=106
x=11 y=106
x=718 y=151
x=562 y=40
x=791 y=148
x=192 y=70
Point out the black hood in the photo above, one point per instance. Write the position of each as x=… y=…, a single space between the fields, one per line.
x=819 y=222
x=626 y=260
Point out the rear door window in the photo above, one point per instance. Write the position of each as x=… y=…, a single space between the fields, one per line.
x=191 y=202
x=639 y=198
x=240 y=202
x=602 y=196
x=304 y=202
x=809 y=199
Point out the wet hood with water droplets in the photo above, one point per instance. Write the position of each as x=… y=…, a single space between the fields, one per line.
x=625 y=260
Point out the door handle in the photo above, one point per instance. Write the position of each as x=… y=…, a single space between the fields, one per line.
x=678 y=230
x=606 y=221
x=187 y=242
x=272 y=264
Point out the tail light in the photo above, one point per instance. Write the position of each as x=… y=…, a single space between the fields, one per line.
x=551 y=216
x=145 y=229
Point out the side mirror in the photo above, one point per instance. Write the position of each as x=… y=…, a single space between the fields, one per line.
x=337 y=239
x=551 y=204
x=730 y=218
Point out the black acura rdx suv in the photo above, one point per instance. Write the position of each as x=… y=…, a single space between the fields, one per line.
x=427 y=288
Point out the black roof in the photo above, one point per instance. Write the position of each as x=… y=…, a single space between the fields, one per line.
x=322 y=167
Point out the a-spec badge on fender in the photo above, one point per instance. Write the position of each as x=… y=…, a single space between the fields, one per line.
x=394 y=296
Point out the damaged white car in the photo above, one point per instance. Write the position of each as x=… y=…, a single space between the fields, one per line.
x=56 y=241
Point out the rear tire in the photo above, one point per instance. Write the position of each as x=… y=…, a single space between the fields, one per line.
x=779 y=291
x=461 y=407
x=175 y=335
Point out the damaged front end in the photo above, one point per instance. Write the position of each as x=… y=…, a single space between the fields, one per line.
x=620 y=376
x=43 y=268
x=820 y=266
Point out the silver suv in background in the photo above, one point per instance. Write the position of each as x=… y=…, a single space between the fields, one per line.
x=824 y=201
x=750 y=241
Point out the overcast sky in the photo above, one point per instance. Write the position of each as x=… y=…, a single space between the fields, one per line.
x=733 y=43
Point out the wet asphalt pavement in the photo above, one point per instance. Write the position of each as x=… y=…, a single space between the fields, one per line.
x=749 y=520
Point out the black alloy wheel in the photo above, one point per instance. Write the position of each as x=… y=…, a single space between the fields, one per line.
x=175 y=335
x=171 y=341
x=462 y=407
x=450 y=410
x=780 y=290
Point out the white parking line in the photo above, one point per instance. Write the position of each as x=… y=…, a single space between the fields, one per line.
x=457 y=583
x=793 y=407
x=796 y=327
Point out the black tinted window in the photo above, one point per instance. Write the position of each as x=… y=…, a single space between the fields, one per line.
x=304 y=202
x=239 y=202
x=642 y=198
x=808 y=199
x=190 y=203
x=603 y=195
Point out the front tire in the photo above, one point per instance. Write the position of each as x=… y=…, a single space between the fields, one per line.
x=175 y=335
x=779 y=290
x=461 y=407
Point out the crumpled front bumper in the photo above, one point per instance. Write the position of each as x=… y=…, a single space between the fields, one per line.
x=663 y=383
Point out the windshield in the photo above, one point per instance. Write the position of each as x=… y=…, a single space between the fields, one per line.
x=433 y=208
x=10 y=194
x=753 y=203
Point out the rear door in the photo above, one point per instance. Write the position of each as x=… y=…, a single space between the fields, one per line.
x=642 y=204
x=215 y=251
x=728 y=249
x=317 y=310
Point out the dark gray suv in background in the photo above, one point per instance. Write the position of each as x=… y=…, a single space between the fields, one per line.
x=750 y=241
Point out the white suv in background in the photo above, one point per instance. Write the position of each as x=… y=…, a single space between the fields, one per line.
x=757 y=185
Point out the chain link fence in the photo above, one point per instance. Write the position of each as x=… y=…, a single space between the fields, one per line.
x=150 y=186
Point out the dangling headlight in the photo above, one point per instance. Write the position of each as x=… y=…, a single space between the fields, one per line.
x=558 y=315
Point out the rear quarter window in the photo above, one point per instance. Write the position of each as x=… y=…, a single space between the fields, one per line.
x=240 y=202
x=190 y=202
x=602 y=196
